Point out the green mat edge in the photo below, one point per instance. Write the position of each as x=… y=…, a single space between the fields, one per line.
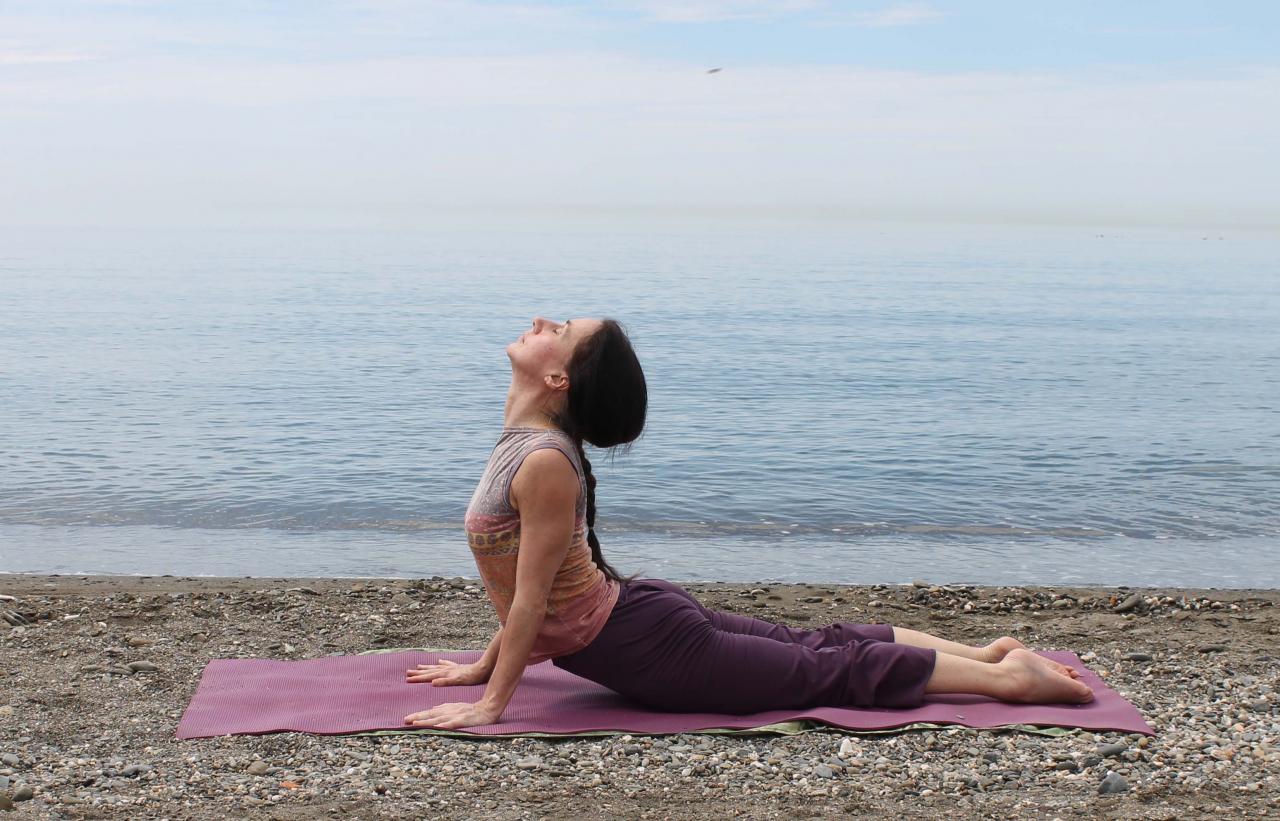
x=780 y=728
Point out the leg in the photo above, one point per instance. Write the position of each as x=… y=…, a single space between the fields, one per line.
x=833 y=635
x=661 y=649
x=993 y=652
x=1020 y=676
x=840 y=633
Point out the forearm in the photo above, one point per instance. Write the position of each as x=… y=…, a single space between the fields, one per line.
x=523 y=624
x=490 y=658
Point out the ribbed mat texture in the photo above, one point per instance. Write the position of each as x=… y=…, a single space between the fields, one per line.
x=351 y=694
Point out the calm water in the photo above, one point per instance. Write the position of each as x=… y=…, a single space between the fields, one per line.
x=837 y=402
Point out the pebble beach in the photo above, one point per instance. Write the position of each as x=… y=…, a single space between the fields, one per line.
x=95 y=672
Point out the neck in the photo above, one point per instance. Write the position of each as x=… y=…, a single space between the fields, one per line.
x=525 y=410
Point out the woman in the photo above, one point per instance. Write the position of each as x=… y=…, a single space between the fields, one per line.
x=531 y=529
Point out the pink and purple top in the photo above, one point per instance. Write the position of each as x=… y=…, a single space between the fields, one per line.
x=581 y=596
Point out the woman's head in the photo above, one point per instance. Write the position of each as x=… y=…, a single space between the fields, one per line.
x=587 y=367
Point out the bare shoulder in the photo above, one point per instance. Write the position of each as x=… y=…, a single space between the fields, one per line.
x=545 y=476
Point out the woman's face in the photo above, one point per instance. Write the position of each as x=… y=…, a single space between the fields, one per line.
x=546 y=347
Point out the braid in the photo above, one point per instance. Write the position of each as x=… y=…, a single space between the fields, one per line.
x=596 y=555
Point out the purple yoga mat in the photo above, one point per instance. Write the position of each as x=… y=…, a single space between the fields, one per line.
x=349 y=694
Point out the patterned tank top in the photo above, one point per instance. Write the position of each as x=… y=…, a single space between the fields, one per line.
x=581 y=597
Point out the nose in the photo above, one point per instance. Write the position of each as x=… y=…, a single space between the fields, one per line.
x=539 y=323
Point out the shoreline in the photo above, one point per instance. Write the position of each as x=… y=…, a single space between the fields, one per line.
x=90 y=739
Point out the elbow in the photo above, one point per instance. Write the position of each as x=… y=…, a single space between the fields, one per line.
x=536 y=608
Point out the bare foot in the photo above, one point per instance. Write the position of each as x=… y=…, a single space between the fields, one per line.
x=1001 y=647
x=1058 y=667
x=998 y=649
x=1032 y=681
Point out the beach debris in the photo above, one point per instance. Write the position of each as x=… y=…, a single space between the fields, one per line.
x=1128 y=604
x=15 y=619
x=1113 y=783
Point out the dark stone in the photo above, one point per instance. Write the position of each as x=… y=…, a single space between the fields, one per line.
x=1113 y=783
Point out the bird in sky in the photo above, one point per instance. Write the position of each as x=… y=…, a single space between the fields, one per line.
x=712 y=70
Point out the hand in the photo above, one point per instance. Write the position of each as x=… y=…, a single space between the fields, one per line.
x=451 y=716
x=446 y=673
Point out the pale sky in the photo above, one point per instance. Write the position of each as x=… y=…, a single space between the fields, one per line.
x=380 y=113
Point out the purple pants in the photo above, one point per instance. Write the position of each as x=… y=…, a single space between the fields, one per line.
x=663 y=648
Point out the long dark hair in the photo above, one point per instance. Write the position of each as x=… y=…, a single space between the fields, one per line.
x=605 y=408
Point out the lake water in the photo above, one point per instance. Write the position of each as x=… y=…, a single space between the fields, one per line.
x=829 y=401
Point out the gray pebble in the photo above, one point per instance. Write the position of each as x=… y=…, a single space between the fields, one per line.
x=1137 y=657
x=823 y=771
x=1113 y=783
x=1128 y=604
x=4 y=783
x=136 y=769
x=258 y=768
x=991 y=757
x=141 y=667
x=1213 y=648
x=9 y=760
x=23 y=793
x=1108 y=750
x=6 y=803
x=533 y=762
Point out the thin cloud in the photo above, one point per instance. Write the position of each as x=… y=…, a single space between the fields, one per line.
x=905 y=14
x=31 y=58
x=717 y=11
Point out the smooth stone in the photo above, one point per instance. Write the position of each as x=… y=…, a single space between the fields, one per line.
x=1137 y=657
x=23 y=792
x=1113 y=783
x=823 y=771
x=848 y=748
x=257 y=768
x=1213 y=648
x=9 y=760
x=4 y=782
x=530 y=763
x=1108 y=750
x=141 y=667
x=136 y=769
x=1128 y=604
x=6 y=803
x=991 y=757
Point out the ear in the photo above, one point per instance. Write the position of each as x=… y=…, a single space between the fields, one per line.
x=556 y=381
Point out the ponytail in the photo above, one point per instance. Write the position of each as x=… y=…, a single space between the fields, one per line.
x=596 y=555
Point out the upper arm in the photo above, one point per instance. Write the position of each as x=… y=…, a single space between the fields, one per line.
x=545 y=491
